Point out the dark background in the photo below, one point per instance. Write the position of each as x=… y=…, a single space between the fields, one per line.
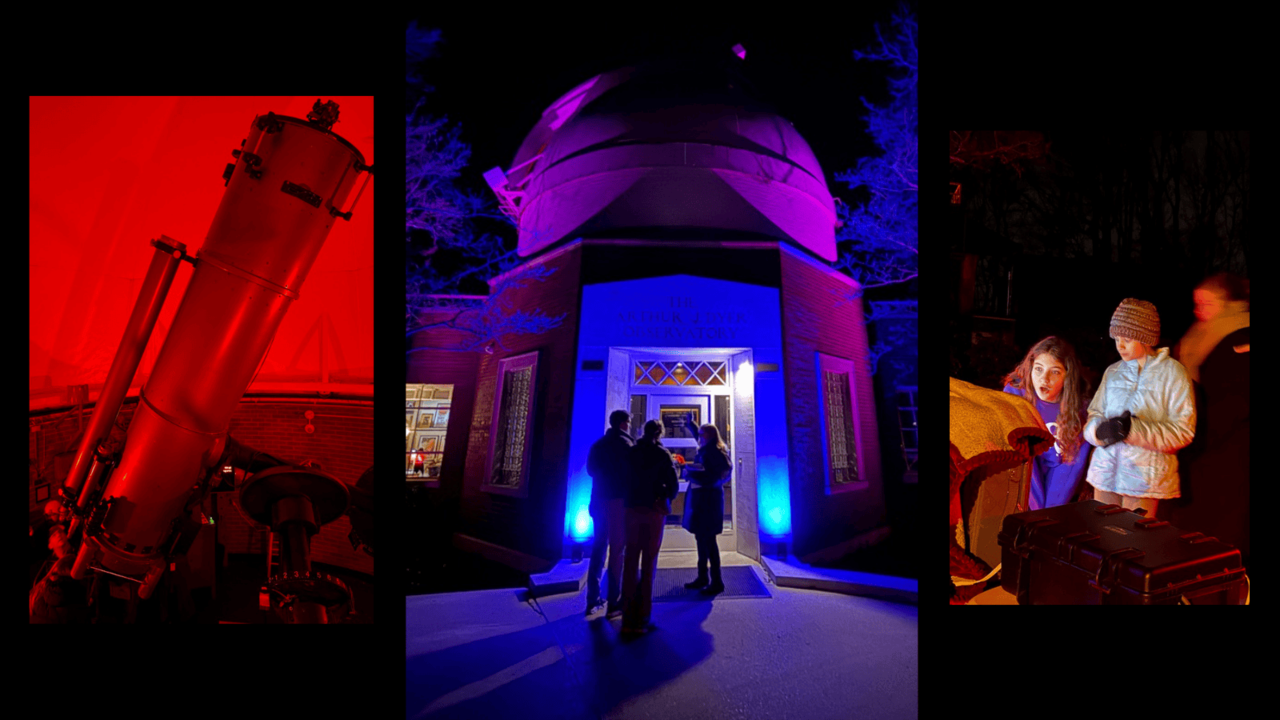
x=1082 y=221
x=494 y=79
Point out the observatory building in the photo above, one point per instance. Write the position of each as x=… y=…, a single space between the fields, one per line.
x=686 y=230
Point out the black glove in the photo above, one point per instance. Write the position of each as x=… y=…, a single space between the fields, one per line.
x=1115 y=429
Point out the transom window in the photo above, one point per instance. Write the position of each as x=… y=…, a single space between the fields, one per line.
x=687 y=374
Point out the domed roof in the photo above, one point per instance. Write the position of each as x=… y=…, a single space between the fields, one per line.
x=679 y=144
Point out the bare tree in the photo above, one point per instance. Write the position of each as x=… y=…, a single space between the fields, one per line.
x=441 y=216
x=879 y=239
x=984 y=149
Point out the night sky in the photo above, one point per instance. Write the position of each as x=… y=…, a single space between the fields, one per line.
x=496 y=79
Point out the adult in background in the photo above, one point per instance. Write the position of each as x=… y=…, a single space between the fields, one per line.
x=609 y=464
x=1215 y=351
x=653 y=484
x=704 y=506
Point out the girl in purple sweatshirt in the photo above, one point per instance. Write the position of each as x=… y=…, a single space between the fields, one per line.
x=1049 y=376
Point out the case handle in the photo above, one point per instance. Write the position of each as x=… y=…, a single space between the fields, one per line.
x=1022 y=538
x=1082 y=537
x=1110 y=564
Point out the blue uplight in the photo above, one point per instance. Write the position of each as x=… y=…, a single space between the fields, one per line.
x=578 y=525
x=582 y=526
x=775 y=496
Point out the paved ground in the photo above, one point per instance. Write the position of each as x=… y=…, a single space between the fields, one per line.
x=801 y=654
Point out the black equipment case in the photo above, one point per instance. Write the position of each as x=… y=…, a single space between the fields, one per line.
x=1091 y=553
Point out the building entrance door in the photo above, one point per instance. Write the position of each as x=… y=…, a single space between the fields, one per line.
x=681 y=416
x=684 y=393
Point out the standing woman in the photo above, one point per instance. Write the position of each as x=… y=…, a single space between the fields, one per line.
x=704 y=506
x=1215 y=468
x=651 y=487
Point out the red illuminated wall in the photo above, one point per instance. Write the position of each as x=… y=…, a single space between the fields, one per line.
x=342 y=445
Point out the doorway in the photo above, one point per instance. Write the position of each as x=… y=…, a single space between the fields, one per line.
x=685 y=389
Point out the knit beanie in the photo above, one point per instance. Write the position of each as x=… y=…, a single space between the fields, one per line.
x=1136 y=320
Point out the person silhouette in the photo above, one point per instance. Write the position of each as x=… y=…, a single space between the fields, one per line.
x=704 y=506
x=653 y=484
x=609 y=464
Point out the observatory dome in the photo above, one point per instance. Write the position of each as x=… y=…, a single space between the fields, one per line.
x=680 y=148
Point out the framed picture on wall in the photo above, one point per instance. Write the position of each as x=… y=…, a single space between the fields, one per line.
x=430 y=442
x=442 y=417
x=681 y=421
x=426 y=418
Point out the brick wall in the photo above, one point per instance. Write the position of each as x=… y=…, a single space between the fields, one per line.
x=431 y=512
x=812 y=322
x=54 y=438
x=447 y=365
x=532 y=525
x=343 y=446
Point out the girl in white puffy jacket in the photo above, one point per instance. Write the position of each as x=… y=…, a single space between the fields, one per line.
x=1143 y=413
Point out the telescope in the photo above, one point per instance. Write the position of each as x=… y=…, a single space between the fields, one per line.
x=135 y=509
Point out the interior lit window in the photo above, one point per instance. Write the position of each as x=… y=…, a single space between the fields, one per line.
x=426 y=422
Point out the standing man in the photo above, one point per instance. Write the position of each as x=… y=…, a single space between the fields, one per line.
x=609 y=465
x=653 y=486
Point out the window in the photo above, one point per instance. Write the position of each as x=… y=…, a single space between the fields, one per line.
x=907 y=425
x=687 y=374
x=639 y=407
x=510 y=434
x=722 y=417
x=426 y=421
x=844 y=469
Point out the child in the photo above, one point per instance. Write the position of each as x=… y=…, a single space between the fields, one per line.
x=1050 y=377
x=1143 y=414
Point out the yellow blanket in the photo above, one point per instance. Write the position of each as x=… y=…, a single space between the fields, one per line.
x=989 y=427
